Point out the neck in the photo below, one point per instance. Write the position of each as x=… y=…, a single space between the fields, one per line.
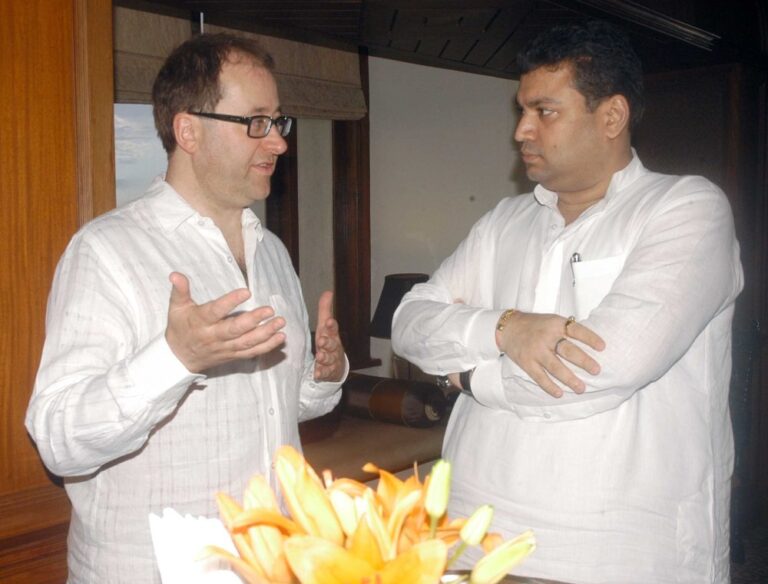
x=572 y=204
x=572 y=209
x=227 y=218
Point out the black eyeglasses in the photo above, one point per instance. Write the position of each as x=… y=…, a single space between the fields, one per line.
x=258 y=126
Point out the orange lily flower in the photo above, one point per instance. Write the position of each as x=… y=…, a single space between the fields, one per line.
x=341 y=531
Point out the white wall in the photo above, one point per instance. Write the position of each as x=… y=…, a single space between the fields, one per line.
x=442 y=154
x=315 y=211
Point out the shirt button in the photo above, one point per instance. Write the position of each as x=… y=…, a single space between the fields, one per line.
x=547 y=415
x=553 y=227
x=271 y=411
x=201 y=223
x=229 y=259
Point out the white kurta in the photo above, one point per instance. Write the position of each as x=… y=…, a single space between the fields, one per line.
x=629 y=482
x=116 y=412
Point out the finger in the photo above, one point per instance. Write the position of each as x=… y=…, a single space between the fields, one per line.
x=586 y=335
x=557 y=369
x=256 y=335
x=260 y=345
x=328 y=343
x=573 y=354
x=542 y=379
x=243 y=323
x=324 y=309
x=221 y=307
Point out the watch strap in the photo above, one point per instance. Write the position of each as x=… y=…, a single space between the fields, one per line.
x=465 y=378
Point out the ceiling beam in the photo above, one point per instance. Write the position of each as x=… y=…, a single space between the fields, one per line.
x=630 y=11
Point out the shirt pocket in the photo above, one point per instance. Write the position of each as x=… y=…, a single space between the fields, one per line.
x=593 y=280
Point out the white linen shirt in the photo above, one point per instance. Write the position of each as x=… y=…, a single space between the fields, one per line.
x=630 y=481
x=117 y=414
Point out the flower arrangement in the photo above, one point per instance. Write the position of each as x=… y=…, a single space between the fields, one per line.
x=341 y=531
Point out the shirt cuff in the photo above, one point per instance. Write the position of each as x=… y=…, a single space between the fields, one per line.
x=481 y=333
x=487 y=386
x=156 y=370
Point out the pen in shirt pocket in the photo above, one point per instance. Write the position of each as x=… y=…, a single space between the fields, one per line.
x=576 y=257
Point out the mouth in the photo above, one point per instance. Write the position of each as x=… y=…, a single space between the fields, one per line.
x=528 y=154
x=265 y=167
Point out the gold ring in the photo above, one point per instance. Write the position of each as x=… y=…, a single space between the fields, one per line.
x=569 y=321
x=557 y=344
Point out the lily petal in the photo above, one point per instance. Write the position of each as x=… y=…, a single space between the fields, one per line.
x=364 y=545
x=306 y=500
x=424 y=563
x=243 y=568
x=345 y=509
x=317 y=561
x=229 y=509
x=402 y=508
x=251 y=517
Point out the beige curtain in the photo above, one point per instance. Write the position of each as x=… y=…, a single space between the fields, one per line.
x=314 y=82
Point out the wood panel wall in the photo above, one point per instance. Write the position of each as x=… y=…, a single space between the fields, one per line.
x=56 y=171
x=712 y=121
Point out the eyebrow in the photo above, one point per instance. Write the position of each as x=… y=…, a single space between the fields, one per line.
x=264 y=111
x=539 y=101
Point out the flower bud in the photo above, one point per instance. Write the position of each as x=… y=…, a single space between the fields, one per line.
x=438 y=489
x=493 y=567
x=477 y=525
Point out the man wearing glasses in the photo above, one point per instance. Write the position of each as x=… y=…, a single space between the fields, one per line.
x=178 y=356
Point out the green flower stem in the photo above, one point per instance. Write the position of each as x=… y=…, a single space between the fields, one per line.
x=457 y=553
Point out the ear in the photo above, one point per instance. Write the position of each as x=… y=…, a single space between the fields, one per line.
x=187 y=131
x=615 y=115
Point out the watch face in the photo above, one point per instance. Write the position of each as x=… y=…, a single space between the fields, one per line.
x=442 y=381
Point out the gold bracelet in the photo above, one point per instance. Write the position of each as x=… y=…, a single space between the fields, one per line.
x=505 y=316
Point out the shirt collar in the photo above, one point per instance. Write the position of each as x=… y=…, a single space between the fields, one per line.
x=172 y=210
x=619 y=182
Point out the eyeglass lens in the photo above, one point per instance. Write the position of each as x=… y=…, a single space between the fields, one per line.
x=261 y=125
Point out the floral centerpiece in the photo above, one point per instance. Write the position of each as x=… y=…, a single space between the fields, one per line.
x=341 y=531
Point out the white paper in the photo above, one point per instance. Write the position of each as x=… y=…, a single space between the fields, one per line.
x=179 y=541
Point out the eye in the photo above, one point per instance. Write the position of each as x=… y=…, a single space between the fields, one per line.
x=545 y=112
x=259 y=124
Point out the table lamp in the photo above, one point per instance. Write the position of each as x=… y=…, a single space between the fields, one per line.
x=395 y=287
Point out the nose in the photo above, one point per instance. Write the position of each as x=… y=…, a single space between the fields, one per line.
x=525 y=129
x=275 y=142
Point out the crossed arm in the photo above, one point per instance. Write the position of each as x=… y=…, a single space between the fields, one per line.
x=682 y=271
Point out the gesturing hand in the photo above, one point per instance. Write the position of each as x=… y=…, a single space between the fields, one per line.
x=204 y=335
x=329 y=352
x=535 y=342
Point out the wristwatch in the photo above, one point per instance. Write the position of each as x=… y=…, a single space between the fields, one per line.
x=443 y=382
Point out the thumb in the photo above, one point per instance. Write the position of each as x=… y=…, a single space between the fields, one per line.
x=324 y=309
x=180 y=290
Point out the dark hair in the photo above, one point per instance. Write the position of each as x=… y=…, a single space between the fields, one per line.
x=602 y=59
x=189 y=78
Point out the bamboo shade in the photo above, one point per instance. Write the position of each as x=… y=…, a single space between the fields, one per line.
x=314 y=82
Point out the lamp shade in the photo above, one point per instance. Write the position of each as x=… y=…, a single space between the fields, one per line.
x=395 y=287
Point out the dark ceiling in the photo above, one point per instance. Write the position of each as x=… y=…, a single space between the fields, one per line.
x=483 y=36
